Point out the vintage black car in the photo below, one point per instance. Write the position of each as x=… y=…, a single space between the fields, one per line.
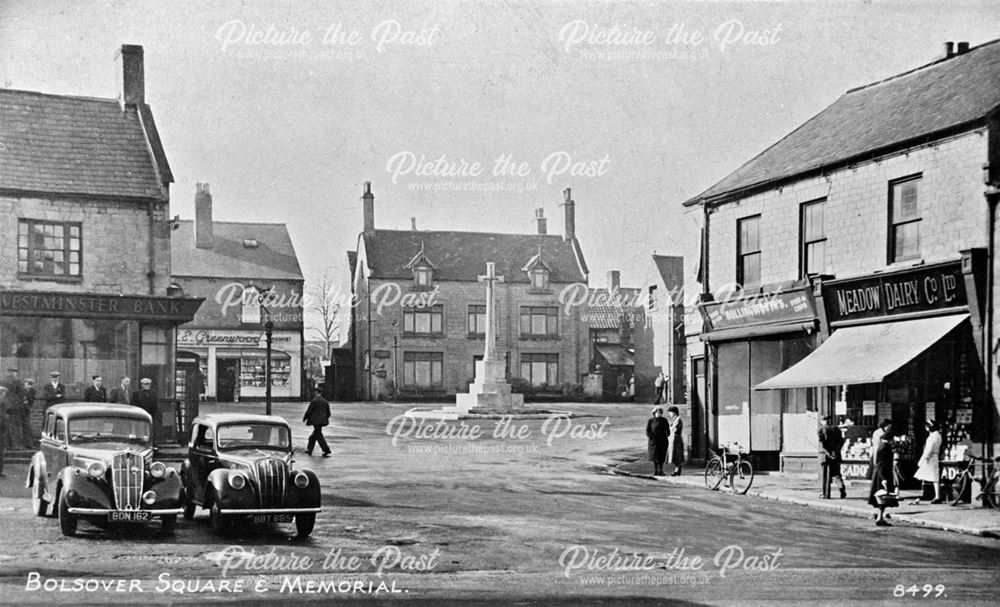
x=95 y=463
x=239 y=467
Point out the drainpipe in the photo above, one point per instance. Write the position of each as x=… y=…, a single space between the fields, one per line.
x=151 y=274
x=710 y=399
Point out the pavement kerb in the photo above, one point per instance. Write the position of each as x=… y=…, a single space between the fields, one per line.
x=832 y=506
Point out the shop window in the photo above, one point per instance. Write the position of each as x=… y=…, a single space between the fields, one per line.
x=539 y=321
x=748 y=252
x=540 y=369
x=49 y=249
x=477 y=320
x=253 y=369
x=423 y=369
x=904 y=219
x=423 y=321
x=812 y=239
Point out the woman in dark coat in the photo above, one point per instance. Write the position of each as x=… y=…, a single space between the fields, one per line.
x=658 y=433
x=883 y=485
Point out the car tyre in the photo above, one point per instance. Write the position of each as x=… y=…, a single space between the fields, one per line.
x=67 y=521
x=220 y=523
x=304 y=523
x=38 y=504
x=169 y=523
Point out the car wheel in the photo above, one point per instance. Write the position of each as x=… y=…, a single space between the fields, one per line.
x=67 y=521
x=220 y=523
x=169 y=523
x=304 y=523
x=38 y=504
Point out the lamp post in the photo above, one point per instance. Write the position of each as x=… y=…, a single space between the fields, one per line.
x=268 y=334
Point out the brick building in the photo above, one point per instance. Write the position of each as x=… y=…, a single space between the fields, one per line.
x=417 y=328
x=85 y=265
x=844 y=271
x=229 y=264
x=619 y=341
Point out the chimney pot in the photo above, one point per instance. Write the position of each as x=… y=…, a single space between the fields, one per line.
x=614 y=279
x=203 y=232
x=963 y=47
x=368 y=200
x=541 y=221
x=133 y=75
x=949 y=49
x=570 y=210
x=413 y=223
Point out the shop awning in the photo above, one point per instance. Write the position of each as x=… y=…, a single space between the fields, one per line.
x=865 y=354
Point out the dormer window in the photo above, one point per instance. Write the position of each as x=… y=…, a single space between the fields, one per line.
x=422 y=276
x=539 y=279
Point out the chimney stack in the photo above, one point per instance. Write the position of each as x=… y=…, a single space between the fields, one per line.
x=542 y=222
x=570 y=233
x=413 y=223
x=368 y=200
x=133 y=75
x=614 y=280
x=203 y=236
x=949 y=50
x=963 y=48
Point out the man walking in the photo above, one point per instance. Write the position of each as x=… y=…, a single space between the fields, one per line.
x=831 y=441
x=95 y=393
x=122 y=395
x=317 y=416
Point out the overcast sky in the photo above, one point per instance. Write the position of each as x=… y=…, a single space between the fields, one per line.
x=286 y=108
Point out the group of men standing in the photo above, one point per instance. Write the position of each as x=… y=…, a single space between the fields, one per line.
x=145 y=398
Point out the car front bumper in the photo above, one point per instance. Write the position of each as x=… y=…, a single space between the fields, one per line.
x=102 y=511
x=267 y=510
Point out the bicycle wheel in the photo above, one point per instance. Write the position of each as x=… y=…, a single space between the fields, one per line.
x=959 y=486
x=713 y=474
x=992 y=492
x=742 y=477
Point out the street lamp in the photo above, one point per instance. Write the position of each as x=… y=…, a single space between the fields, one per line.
x=268 y=333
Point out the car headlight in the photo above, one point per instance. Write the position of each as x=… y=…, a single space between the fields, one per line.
x=96 y=469
x=237 y=481
x=157 y=470
x=149 y=497
x=301 y=480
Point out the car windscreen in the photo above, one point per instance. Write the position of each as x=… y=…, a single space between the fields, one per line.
x=107 y=428
x=253 y=435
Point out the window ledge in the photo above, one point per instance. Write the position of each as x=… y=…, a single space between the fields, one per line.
x=905 y=263
x=476 y=336
x=49 y=278
x=423 y=335
x=538 y=337
x=416 y=287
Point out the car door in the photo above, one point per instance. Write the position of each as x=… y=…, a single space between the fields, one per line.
x=57 y=454
x=202 y=460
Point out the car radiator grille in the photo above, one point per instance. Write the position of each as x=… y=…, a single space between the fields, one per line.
x=271 y=475
x=126 y=480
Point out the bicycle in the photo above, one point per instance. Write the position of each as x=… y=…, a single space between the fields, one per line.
x=989 y=480
x=728 y=465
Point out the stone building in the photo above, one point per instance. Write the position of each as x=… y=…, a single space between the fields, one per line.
x=418 y=326
x=844 y=271
x=230 y=264
x=85 y=266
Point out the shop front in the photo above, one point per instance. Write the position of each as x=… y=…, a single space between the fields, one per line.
x=232 y=363
x=752 y=338
x=79 y=335
x=903 y=347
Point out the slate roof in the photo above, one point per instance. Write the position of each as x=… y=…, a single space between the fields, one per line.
x=79 y=145
x=463 y=255
x=948 y=95
x=616 y=354
x=273 y=258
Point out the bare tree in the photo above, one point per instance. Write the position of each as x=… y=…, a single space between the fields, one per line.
x=326 y=305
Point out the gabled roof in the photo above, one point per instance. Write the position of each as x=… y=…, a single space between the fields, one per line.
x=944 y=97
x=671 y=270
x=273 y=257
x=79 y=145
x=463 y=255
x=616 y=354
x=352 y=261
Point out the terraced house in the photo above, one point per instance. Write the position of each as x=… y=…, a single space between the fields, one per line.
x=419 y=325
x=846 y=270
x=85 y=261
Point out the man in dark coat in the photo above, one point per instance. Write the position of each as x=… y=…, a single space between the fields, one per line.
x=53 y=392
x=317 y=416
x=123 y=393
x=831 y=441
x=96 y=393
x=658 y=435
x=146 y=399
x=27 y=433
x=14 y=407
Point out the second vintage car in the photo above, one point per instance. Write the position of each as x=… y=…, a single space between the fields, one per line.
x=95 y=463
x=239 y=467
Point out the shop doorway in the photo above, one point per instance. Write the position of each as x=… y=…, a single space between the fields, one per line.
x=701 y=429
x=227 y=375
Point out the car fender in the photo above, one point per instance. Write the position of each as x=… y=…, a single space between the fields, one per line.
x=82 y=491
x=228 y=497
x=309 y=497
x=37 y=467
x=168 y=491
